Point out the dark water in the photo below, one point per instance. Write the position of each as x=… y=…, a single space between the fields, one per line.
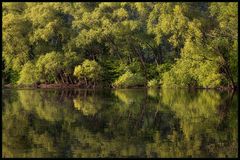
x=119 y=123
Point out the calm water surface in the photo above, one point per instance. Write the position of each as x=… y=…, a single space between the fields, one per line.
x=119 y=123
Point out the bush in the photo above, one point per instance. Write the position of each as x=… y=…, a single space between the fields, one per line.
x=28 y=74
x=10 y=76
x=79 y=72
x=89 y=70
x=49 y=66
x=152 y=72
x=129 y=79
x=161 y=69
x=152 y=83
x=134 y=66
x=187 y=73
x=109 y=72
x=208 y=75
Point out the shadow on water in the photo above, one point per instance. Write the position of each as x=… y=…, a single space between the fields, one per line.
x=119 y=123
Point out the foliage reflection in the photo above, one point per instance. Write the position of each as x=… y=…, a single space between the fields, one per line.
x=119 y=123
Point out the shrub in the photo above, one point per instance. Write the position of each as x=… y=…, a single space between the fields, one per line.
x=161 y=69
x=28 y=74
x=129 y=79
x=187 y=73
x=152 y=83
x=89 y=70
x=152 y=72
x=49 y=66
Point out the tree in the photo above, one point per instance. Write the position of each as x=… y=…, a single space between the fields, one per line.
x=15 y=40
x=139 y=37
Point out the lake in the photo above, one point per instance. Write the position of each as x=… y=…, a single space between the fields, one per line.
x=119 y=123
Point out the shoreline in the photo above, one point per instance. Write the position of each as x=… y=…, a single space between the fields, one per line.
x=80 y=86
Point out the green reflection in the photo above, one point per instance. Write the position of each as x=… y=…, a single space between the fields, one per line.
x=119 y=123
x=88 y=105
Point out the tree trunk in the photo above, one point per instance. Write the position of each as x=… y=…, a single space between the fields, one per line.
x=230 y=77
x=228 y=74
x=62 y=78
x=142 y=63
x=85 y=81
x=70 y=79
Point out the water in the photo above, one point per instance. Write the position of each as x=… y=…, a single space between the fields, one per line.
x=119 y=123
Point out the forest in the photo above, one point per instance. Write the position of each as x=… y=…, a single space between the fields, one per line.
x=120 y=44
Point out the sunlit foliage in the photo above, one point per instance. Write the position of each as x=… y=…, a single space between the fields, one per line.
x=192 y=44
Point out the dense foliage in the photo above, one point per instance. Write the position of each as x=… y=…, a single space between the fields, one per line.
x=129 y=79
x=171 y=44
x=89 y=71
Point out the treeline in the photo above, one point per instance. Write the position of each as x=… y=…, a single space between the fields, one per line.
x=121 y=44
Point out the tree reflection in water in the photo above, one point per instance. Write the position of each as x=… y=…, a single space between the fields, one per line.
x=119 y=123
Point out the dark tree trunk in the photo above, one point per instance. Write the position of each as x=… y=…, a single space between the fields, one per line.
x=70 y=79
x=86 y=83
x=137 y=52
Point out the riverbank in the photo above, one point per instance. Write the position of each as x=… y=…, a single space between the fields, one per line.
x=49 y=86
x=82 y=86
